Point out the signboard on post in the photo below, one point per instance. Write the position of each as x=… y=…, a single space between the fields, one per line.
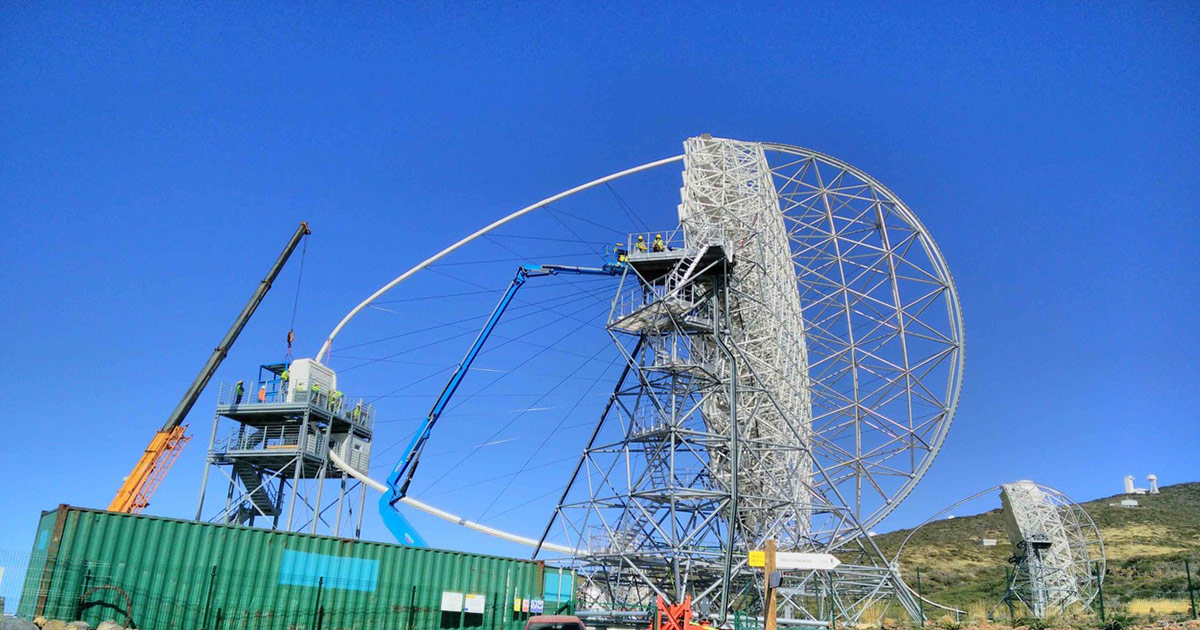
x=785 y=560
x=451 y=601
x=474 y=604
x=773 y=563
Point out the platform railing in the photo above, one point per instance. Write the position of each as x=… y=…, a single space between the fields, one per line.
x=271 y=438
x=674 y=287
x=357 y=411
x=671 y=240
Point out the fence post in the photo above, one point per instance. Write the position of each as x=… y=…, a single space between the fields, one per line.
x=920 y=598
x=832 y=604
x=1187 y=567
x=412 y=609
x=87 y=581
x=1100 y=591
x=1008 y=593
x=317 y=603
x=212 y=578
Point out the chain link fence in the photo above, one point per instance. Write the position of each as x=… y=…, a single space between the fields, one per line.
x=212 y=597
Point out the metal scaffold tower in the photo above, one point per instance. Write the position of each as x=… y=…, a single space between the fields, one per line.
x=710 y=444
x=272 y=444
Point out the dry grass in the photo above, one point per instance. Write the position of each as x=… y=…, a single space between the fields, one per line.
x=1156 y=606
x=977 y=610
x=872 y=614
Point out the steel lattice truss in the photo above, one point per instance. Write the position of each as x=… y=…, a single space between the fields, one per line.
x=791 y=376
x=728 y=196
x=1057 y=549
x=882 y=324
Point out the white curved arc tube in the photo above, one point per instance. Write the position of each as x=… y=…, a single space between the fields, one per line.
x=325 y=347
x=442 y=514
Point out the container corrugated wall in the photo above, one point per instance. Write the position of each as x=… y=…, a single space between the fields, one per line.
x=175 y=574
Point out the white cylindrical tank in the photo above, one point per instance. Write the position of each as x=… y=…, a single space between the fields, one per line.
x=1128 y=484
x=1153 y=479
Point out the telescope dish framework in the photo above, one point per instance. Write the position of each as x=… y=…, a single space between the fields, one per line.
x=1057 y=550
x=792 y=362
x=1058 y=553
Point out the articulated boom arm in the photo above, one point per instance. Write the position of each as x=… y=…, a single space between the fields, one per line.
x=402 y=475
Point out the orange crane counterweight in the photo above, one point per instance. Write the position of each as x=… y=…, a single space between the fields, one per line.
x=166 y=445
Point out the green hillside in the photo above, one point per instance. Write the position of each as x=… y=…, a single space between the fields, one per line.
x=1145 y=546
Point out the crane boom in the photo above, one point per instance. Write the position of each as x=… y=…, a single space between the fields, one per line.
x=402 y=475
x=167 y=443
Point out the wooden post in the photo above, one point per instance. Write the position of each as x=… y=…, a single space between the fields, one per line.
x=768 y=571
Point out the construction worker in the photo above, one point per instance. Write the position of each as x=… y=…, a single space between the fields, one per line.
x=238 y=391
x=316 y=393
x=658 y=245
x=262 y=393
x=356 y=413
x=640 y=245
x=621 y=252
x=284 y=377
x=335 y=401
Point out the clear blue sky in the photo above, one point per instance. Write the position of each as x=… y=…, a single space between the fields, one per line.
x=152 y=162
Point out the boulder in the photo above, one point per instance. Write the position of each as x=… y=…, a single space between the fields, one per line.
x=12 y=623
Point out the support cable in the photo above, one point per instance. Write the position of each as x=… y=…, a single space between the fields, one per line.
x=534 y=453
x=291 y=335
x=518 y=416
x=633 y=216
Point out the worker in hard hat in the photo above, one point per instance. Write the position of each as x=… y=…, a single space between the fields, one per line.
x=239 y=390
x=262 y=393
x=621 y=252
x=658 y=245
x=316 y=393
x=640 y=245
x=284 y=377
x=335 y=400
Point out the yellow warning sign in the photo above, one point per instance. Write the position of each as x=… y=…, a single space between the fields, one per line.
x=758 y=558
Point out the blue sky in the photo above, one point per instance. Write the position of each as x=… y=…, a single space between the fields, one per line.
x=154 y=160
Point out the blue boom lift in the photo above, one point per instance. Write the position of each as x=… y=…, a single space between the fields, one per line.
x=402 y=474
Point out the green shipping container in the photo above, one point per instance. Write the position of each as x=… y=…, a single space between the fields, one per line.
x=162 y=574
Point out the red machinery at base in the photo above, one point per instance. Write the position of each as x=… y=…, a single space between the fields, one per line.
x=676 y=616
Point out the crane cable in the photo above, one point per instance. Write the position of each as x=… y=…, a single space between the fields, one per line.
x=291 y=335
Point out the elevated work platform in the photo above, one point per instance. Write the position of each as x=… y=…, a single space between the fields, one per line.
x=271 y=441
x=652 y=266
x=672 y=283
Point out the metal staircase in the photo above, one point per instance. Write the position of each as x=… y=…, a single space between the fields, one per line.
x=258 y=491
